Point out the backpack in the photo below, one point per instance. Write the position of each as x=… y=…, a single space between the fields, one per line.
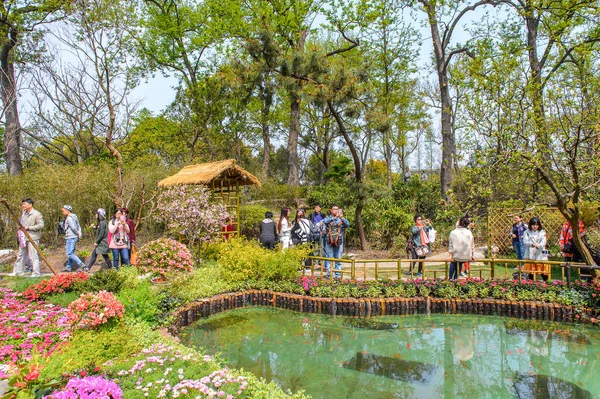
x=60 y=228
x=315 y=232
x=334 y=233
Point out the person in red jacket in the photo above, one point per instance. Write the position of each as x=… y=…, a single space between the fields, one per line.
x=131 y=225
x=567 y=244
x=227 y=229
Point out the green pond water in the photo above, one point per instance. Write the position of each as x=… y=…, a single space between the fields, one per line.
x=417 y=356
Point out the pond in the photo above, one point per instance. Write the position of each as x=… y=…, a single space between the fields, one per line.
x=417 y=356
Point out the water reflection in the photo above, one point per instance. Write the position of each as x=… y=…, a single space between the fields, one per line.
x=392 y=367
x=417 y=356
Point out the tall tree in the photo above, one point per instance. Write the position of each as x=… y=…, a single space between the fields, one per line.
x=20 y=22
x=443 y=18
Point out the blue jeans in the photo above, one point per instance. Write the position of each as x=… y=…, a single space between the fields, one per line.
x=124 y=252
x=334 y=252
x=519 y=250
x=455 y=268
x=71 y=257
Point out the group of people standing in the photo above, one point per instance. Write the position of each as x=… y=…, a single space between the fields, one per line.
x=325 y=232
x=116 y=235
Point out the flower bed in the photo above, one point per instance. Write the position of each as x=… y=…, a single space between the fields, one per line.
x=93 y=309
x=26 y=326
x=89 y=387
x=64 y=282
x=163 y=371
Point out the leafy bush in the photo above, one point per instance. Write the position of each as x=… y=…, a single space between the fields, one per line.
x=92 y=309
x=241 y=260
x=140 y=303
x=103 y=280
x=165 y=256
x=250 y=218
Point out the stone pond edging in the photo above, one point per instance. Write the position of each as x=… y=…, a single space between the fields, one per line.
x=367 y=307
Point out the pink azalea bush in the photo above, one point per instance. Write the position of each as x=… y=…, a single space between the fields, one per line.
x=164 y=256
x=27 y=326
x=163 y=371
x=92 y=309
x=188 y=211
x=95 y=387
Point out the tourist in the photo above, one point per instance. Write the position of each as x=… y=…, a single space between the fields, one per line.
x=567 y=243
x=300 y=228
x=535 y=248
x=424 y=176
x=285 y=229
x=268 y=232
x=101 y=241
x=406 y=175
x=567 y=246
x=335 y=224
x=517 y=233
x=318 y=234
x=118 y=238
x=467 y=265
x=420 y=237
x=461 y=247
x=131 y=225
x=72 y=235
x=33 y=222
x=227 y=229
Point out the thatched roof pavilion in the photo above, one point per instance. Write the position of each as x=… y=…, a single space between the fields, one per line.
x=223 y=178
x=213 y=174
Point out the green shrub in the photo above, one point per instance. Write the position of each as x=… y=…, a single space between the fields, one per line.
x=103 y=280
x=141 y=303
x=204 y=282
x=63 y=299
x=241 y=260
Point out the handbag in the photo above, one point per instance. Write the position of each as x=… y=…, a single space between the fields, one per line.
x=432 y=235
x=133 y=256
x=422 y=251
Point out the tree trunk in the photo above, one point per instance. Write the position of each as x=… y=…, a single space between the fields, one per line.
x=12 y=128
x=267 y=95
x=448 y=140
x=293 y=140
x=358 y=175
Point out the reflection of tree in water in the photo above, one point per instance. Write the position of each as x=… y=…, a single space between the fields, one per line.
x=538 y=386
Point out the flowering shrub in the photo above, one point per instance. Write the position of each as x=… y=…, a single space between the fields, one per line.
x=89 y=387
x=164 y=256
x=187 y=210
x=93 y=309
x=163 y=371
x=27 y=326
x=64 y=282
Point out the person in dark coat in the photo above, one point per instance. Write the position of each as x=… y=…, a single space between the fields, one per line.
x=268 y=232
x=101 y=242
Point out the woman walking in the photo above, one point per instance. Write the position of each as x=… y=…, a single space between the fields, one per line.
x=285 y=229
x=101 y=242
x=535 y=249
x=118 y=239
x=268 y=232
x=420 y=232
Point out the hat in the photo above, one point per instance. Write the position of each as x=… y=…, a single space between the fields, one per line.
x=68 y=208
x=101 y=212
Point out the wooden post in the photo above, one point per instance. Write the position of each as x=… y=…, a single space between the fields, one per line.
x=18 y=222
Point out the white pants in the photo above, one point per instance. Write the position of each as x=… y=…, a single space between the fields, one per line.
x=286 y=242
x=28 y=254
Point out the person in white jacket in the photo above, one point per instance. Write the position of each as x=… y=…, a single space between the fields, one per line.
x=535 y=241
x=461 y=247
x=285 y=229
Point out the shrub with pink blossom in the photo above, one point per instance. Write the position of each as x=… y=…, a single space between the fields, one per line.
x=164 y=256
x=188 y=210
x=27 y=327
x=89 y=387
x=92 y=309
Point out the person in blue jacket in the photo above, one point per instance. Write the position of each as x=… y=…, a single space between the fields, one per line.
x=335 y=225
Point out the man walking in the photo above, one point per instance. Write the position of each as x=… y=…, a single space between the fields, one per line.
x=334 y=237
x=33 y=222
x=72 y=235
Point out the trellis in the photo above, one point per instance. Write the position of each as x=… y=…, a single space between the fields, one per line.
x=500 y=221
x=223 y=178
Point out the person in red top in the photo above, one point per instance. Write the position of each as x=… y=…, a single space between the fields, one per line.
x=227 y=228
x=567 y=245
x=131 y=225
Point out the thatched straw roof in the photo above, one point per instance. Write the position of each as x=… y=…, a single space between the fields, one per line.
x=226 y=172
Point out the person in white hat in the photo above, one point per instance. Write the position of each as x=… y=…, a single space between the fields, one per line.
x=72 y=235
